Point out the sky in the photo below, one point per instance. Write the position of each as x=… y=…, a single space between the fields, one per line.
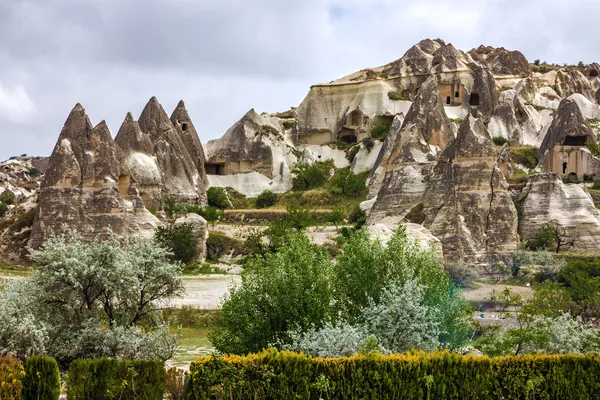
x=224 y=57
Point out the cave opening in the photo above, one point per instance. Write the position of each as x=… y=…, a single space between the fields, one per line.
x=474 y=99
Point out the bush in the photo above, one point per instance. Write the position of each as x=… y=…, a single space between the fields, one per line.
x=266 y=199
x=397 y=95
x=347 y=182
x=3 y=209
x=310 y=176
x=596 y=184
x=11 y=378
x=288 y=124
x=440 y=375
x=218 y=245
x=176 y=384
x=380 y=127
x=179 y=239
x=524 y=155
x=358 y=217
x=298 y=218
x=237 y=200
x=102 y=378
x=42 y=379
x=34 y=172
x=217 y=197
x=499 y=140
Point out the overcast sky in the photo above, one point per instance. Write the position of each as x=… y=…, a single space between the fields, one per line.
x=224 y=57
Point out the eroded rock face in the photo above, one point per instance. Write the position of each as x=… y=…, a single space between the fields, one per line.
x=180 y=177
x=547 y=200
x=568 y=121
x=462 y=198
x=484 y=87
x=88 y=187
x=502 y=62
x=504 y=124
x=573 y=81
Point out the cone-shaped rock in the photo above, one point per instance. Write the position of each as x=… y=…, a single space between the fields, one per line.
x=180 y=178
x=187 y=132
x=88 y=188
x=484 y=87
x=138 y=151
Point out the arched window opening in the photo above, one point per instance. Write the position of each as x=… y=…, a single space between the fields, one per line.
x=564 y=168
x=474 y=99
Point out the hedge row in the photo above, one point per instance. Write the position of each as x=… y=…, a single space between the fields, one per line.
x=38 y=379
x=442 y=375
x=104 y=378
x=266 y=216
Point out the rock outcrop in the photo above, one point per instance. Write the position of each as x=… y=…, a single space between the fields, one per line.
x=180 y=176
x=502 y=62
x=546 y=200
x=88 y=187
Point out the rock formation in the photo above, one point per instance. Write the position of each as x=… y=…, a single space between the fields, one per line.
x=88 y=187
x=180 y=176
x=547 y=200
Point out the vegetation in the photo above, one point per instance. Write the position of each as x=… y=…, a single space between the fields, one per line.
x=98 y=379
x=42 y=379
x=217 y=197
x=367 y=281
x=180 y=240
x=380 y=127
x=347 y=183
x=524 y=155
x=499 y=140
x=86 y=300
x=11 y=378
x=266 y=199
x=288 y=124
x=397 y=95
x=310 y=176
x=550 y=237
x=440 y=375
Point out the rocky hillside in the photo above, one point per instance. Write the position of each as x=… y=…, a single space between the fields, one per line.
x=474 y=150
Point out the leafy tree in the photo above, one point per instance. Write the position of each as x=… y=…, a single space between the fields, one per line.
x=336 y=216
x=266 y=199
x=92 y=300
x=310 y=176
x=217 y=197
x=282 y=292
x=180 y=240
x=211 y=214
x=298 y=218
x=358 y=217
x=347 y=182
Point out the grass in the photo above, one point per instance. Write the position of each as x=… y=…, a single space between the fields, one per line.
x=201 y=269
x=13 y=270
x=194 y=343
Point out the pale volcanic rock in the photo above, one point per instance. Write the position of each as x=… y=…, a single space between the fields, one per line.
x=180 y=177
x=377 y=174
x=88 y=188
x=568 y=120
x=547 y=200
x=138 y=151
x=366 y=157
x=189 y=136
x=417 y=233
x=502 y=62
x=569 y=82
x=485 y=87
x=504 y=124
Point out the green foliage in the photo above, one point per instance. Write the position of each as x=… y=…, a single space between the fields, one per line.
x=524 y=155
x=284 y=291
x=397 y=95
x=34 y=172
x=380 y=127
x=358 y=217
x=457 y=121
x=499 y=140
x=218 y=245
x=42 y=379
x=3 y=208
x=91 y=299
x=100 y=379
x=298 y=218
x=266 y=199
x=180 y=240
x=288 y=124
x=217 y=197
x=543 y=240
x=11 y=378
x=537 y=62
x=347 y=183
x=310 y=176
x=175 y=385
x=336 y=216
x=441 y=375
x=211 y=214
x=352 y=153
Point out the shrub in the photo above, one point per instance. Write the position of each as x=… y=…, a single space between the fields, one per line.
x=11 y=378
x=298 y=218
x=211 y=214
x=237 y=200
x=352 y=153
x=34 y=172
x=217 y=197
x=288 y=124
x=499 y=140
x=397 y=95
x=266 y=199
x=440 y=375
x=179 y=239
x=347 y=182
x=3 y=209
x=218 y=244
x=524 y=155
x=176 y=384
x=102 y=378
x=596 y=184
x=42 y=379
x=310 y=176
x=380 y=127
x=358 y=217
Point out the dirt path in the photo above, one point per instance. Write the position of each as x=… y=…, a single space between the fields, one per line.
x=205 y=291
x=485 y=291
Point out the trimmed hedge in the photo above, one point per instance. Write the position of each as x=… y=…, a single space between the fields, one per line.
x=42 y=379
x=106 y=378
x=11 y=378
x=442 y=375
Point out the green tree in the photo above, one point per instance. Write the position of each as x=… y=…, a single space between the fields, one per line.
x=180 y=240
x=309 y=176
x=42 y=379
x=93 y=300
x=282 y=292
x=217 y=197
x=347 y=182
x=336 y=216
x=266 y=199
